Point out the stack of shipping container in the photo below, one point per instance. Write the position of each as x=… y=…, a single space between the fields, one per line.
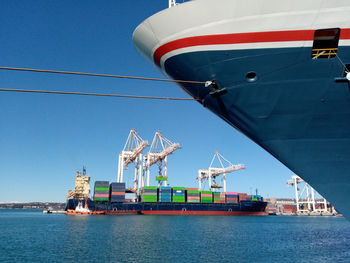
x=242 y=196
x=165 y=194
x=288 y=208
x=206 y=197
x=193 y=195
x=149 y=194
x=101 y=191
x=117 y=192
x=179 y=194
x=232 y=197
x=219 y=198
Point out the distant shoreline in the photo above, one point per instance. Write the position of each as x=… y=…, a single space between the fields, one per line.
x=34 y=205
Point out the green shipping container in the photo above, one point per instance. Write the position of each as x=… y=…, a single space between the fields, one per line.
x=161 y=178
x=101 y=198
x=179 y=188
x=178 y=197
x=102 y=189
x=150 y=200
x=181 y=200
x=150 y=187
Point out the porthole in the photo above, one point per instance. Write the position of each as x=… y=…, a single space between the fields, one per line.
x=251 y=76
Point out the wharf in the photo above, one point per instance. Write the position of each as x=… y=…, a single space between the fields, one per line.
x=54 y=211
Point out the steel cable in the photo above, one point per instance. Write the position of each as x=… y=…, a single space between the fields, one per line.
x=95 y=94
x=100 y=75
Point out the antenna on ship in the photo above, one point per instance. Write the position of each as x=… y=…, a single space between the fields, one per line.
x=161 y=147
x=213 y=172
x=132 y=153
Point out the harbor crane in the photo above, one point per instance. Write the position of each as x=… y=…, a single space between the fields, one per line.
x=305 y=198
x=132 y=153
x=213 y=172
x=160 y=148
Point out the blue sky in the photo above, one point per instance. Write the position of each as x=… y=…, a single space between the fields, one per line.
x=45 y=139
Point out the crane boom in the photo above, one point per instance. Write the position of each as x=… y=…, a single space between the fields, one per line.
x=155 y=157
x=133 y=155
x=160 y=148
x=211 y=173
x=232 y=168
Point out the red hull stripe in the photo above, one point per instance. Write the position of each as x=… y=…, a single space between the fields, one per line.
x=239 y=38
x=219 y=213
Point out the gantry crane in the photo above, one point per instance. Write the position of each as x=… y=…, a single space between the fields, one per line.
x=213 y=172
x=132 y=153
x=160 y=148
x=305 y=198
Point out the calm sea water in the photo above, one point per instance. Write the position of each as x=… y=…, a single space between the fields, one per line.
x=30 y=236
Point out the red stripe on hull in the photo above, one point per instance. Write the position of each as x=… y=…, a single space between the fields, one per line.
x=239 y=38
x=216 y=213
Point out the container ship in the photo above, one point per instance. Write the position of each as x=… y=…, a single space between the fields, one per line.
x=165 y=200
x=110 y=198
x=277 y=71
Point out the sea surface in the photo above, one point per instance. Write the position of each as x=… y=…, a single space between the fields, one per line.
x=30 y=236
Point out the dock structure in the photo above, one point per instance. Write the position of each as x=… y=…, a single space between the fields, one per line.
x=305 y=201
x=288 y=207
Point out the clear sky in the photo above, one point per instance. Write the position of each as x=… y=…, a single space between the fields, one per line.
x=45 y=139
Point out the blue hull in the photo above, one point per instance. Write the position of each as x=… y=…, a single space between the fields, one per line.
x=294 y=109
x=241 y=208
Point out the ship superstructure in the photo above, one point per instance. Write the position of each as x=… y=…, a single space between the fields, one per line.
x=275 y=70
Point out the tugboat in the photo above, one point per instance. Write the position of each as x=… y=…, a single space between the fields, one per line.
x=80 y=210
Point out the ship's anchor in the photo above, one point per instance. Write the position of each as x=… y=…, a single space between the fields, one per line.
x=215 y=90
x=343 y=79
